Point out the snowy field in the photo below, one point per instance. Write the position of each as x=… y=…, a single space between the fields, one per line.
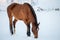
x=49 y=22
x=49 y=27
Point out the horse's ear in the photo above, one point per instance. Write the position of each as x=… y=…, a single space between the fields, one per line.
x=38 y=23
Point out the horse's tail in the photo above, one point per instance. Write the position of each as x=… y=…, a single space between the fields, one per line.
x=10 y=7
x=33 y=12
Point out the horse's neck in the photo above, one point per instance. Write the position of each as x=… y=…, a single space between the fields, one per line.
x=34 y=21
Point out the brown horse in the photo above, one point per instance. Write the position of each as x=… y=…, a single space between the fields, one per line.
x=23 y=12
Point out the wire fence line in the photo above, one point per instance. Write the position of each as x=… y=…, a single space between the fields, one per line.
x=51 y=9
x=41 y=9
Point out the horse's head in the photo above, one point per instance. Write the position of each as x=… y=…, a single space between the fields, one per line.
x=35 y=29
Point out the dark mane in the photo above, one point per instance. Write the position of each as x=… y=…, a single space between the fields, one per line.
x=33 y=12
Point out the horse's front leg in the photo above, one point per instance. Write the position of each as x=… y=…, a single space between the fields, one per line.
x=28 y=30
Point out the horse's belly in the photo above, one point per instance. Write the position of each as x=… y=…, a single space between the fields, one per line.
x=19 y=16
x=16 y=16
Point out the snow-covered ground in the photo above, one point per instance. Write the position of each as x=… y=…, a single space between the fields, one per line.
x=49 y=27
x=49 y=23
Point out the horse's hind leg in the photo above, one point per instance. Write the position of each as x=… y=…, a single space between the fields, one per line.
x=10 y=21
x=11 y=28
x=28 y=30
x=14 y=22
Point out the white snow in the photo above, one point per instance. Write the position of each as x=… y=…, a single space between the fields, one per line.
x=49 y=26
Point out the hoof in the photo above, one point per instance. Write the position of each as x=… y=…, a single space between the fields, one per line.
x=28 y=34
x=36 y=37
x=11 y=33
